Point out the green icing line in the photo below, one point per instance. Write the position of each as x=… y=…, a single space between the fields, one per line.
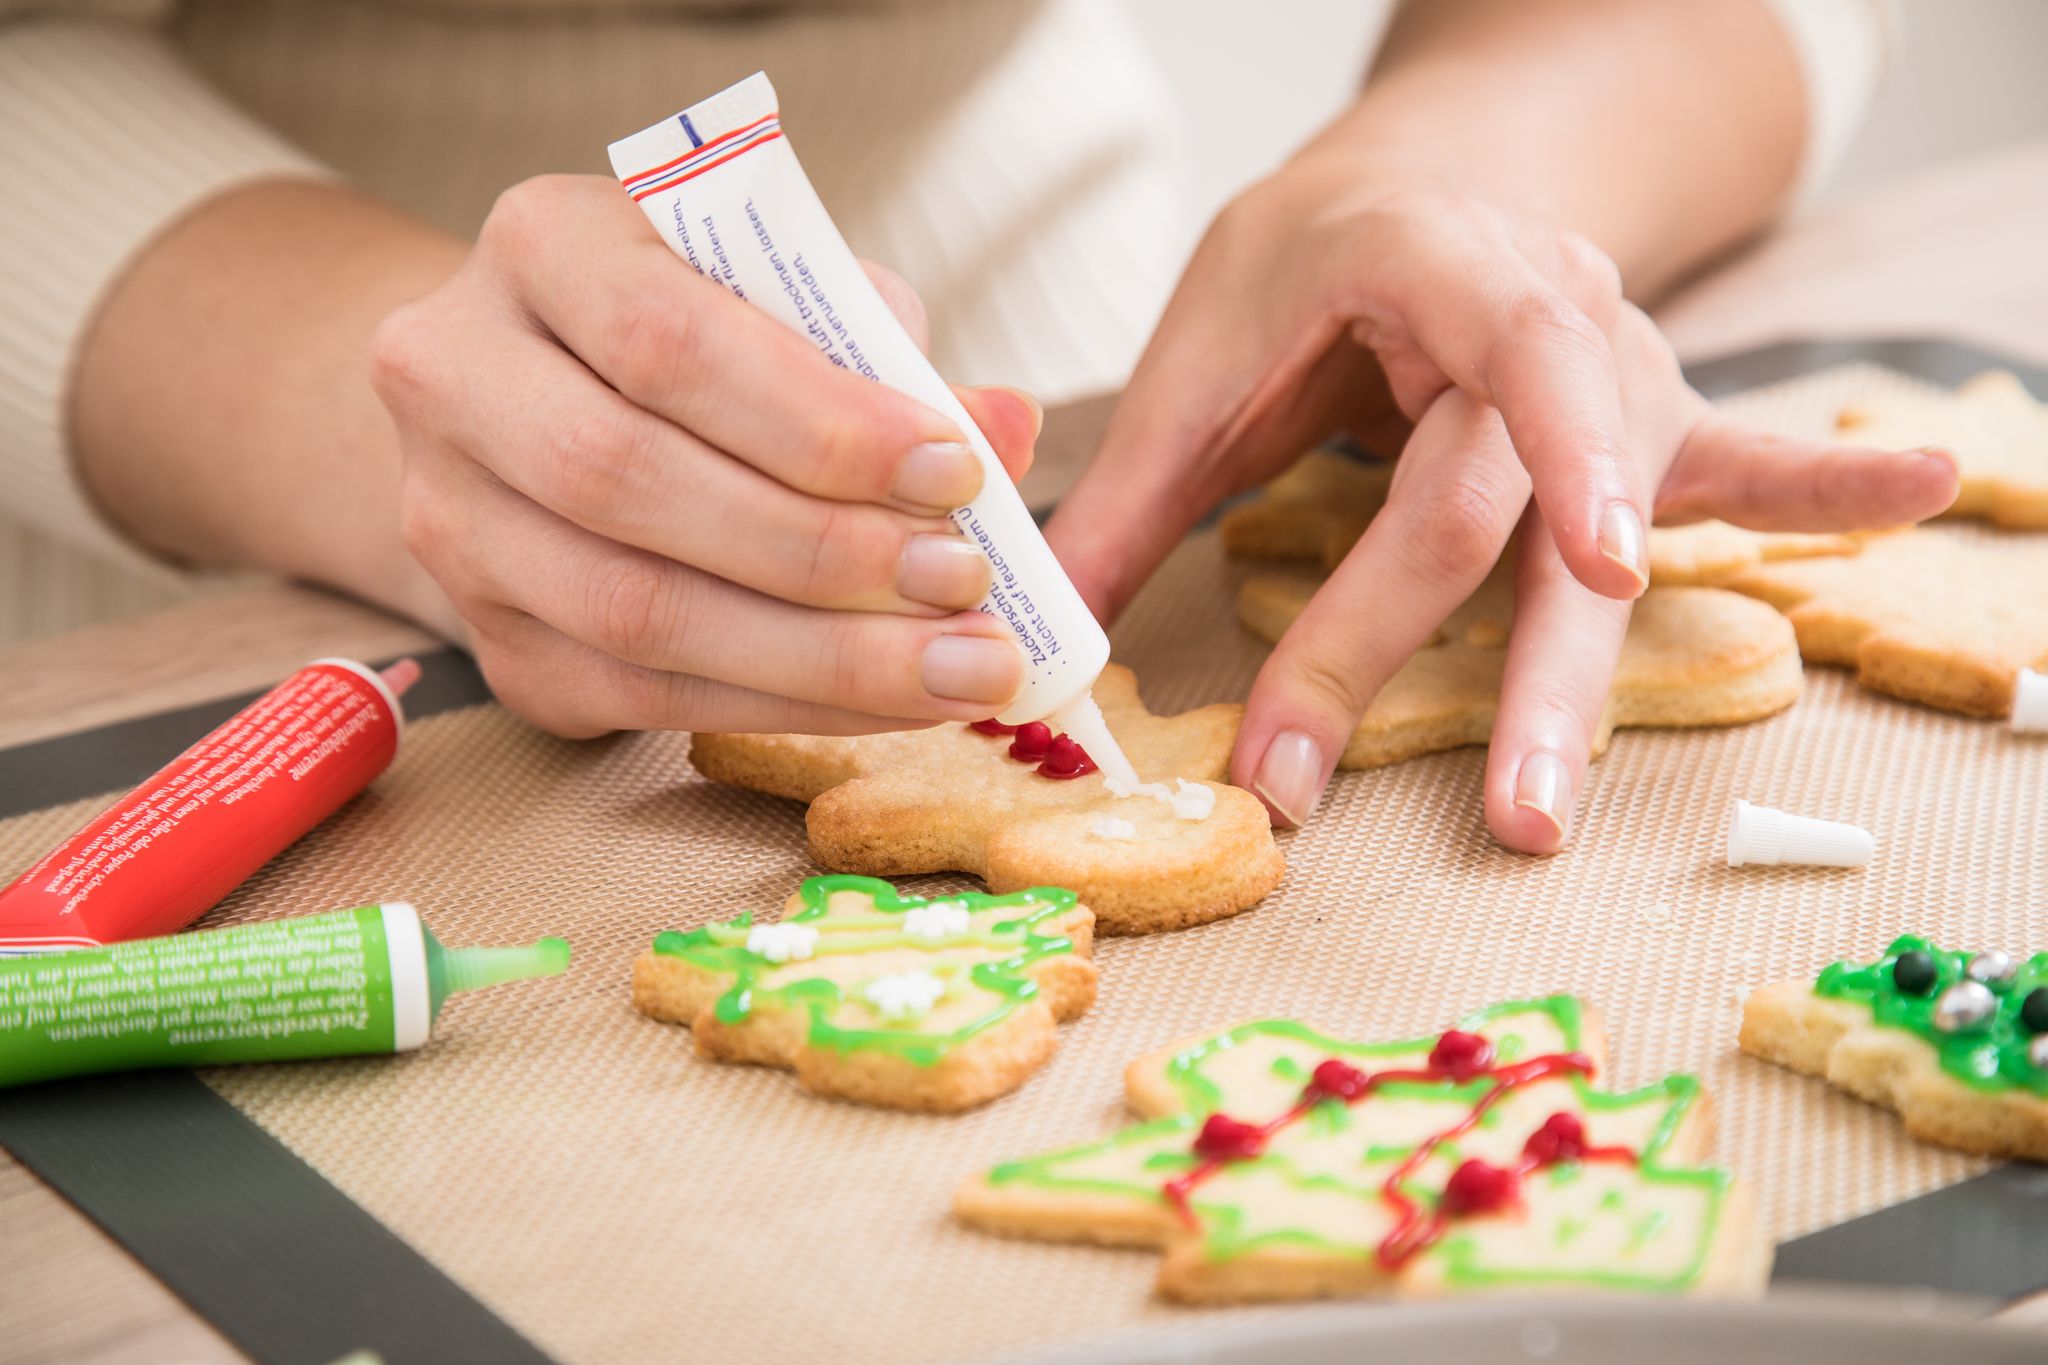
x=721 y=948
x=1222 y=1222
x=1200 y=1094
x=1991 y=1057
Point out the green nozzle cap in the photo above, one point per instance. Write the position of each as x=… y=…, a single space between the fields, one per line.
x=468 y=969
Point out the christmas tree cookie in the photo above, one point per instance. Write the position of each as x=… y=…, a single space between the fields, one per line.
x=1319 y=508
x=936 y=1004
x=1938 y=615
x=1994 y=428
x=1955 y=1043
x=1024 y=807
x=1692 y=657
x=1275 y=1162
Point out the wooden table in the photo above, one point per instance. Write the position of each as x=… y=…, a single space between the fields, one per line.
x=1953 y=252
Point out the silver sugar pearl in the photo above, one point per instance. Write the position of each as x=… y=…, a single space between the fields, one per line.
x=1964 y=1006
x=2037 y=1051
x=1991 y=968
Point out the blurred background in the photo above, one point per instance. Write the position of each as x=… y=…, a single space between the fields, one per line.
x=1973 y=76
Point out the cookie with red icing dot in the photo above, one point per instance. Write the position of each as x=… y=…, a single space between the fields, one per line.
x=1272 y=1161
x=1024 y=806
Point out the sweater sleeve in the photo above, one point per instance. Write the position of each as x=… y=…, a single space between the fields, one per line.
x=109 y=138
x=1844 y=48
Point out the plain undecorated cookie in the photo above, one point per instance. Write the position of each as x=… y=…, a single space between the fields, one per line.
x=1991 y=424
x=1933 y=615
x=1297 y=1207
x=1319 y=508
x=1692 y=657
x=949 y=798
x=1832 y=1028
x=935 y=1005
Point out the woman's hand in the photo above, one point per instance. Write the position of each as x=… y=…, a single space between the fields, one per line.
x=656 y=507
x=1321 y=301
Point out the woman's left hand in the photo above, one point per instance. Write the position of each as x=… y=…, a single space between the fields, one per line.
x=1321 y=301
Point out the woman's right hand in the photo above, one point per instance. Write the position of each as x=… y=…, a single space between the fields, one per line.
x=656 y=507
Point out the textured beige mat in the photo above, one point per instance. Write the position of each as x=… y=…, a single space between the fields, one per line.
x=577 y=1169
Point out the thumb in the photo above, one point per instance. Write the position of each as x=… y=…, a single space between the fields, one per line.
x=903 y=302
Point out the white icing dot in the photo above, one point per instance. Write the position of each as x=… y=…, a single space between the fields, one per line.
x=782 y=942
x=1109 y=827
x=1193 y=800
x=940 y=919
x=1188 y=800
x=903 y=995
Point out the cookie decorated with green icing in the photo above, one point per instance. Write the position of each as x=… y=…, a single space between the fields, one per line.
x=1271 y=1161
x=1955 y=1042
x=933 y=1004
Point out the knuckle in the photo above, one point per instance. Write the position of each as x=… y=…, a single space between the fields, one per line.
x=854 y=551
x=1590 y=274
x=635 y=610
x=422 y=521
x=1330 y=689
x=521 y=213
x=845 y=455
x=402 y=353
x=655 y=339
x=595 y=465
x=1459 y=527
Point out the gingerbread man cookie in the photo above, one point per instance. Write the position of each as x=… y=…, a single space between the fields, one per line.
x=1935 y=615
x=1027 y=808
x=1275 y=1162
x=1692 y=657
x=1994 y=428
x=1955 y=1043
x=936 y=1004
x=1319 y=508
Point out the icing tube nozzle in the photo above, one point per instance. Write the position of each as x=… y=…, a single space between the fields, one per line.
x=1764 y=836
x=469 y=969
x=2030 y=703
x=1082 y=720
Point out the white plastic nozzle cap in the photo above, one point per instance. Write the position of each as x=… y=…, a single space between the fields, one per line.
x=1761 y=835
x=2030 y=703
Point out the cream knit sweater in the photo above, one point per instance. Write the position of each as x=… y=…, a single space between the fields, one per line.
x=1016 y=159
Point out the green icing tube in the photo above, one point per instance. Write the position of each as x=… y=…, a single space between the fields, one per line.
x=368 y=980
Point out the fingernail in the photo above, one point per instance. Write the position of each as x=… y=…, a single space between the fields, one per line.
x=944 y=571
x=1544 y=785
x=941 y=474
x=972 y=668
x=1621 y=540
x=1290 y=776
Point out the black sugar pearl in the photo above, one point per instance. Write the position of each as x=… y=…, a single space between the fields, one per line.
x=1913 y=973
x=2034 y=1010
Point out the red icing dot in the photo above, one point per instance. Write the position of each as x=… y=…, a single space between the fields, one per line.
x=1340 y=1080
x=1224 y=1138
x=1461 y=1055
x=1477 y=1187
x=1561 y=1138
x=992 y=727
x=1033 y=739
x=1064 y=758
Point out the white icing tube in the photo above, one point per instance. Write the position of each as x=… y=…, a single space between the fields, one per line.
x=722 y=186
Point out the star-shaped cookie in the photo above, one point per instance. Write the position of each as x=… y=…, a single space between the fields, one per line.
x=951 y=798
x=1271 y=1161
x=1318 y=509
x=1994 y=428
x=1937 y=615
x=936 y=1004
x=1692 y=657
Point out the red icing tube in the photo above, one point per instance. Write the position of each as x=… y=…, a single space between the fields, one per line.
x=167 y=852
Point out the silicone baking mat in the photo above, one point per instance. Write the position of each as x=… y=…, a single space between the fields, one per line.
x=612 y=1198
